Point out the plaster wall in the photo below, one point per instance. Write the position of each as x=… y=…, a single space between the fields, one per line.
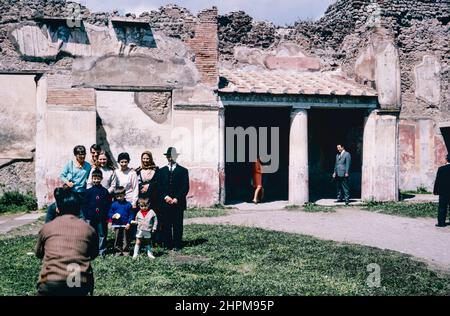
x=195 y=134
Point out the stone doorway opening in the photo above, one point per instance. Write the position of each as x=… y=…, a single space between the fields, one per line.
x=238 y=175
x=445 y=131
x=326 y=129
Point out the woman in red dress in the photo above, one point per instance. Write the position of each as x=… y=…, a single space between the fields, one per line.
x=257 y=181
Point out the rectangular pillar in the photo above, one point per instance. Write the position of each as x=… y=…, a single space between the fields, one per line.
x=298 y=158
x=221 y=166
x=65 y=118
x=380 y=158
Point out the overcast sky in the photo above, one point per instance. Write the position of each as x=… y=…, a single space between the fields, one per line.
x=280 y=12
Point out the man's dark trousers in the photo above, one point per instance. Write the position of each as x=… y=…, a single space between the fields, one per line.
x=173 y=226
x=343 y=191
x=101 y=227
x=444 y=204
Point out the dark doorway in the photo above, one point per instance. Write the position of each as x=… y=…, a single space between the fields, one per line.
x=238 y=175
x=326 y=129
x=445 y=131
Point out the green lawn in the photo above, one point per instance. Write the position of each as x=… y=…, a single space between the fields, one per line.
x=205 y=212
x=227 y=260
x=406 y=209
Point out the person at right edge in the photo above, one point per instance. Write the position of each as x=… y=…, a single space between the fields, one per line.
x=442 y=188
x=173 y=187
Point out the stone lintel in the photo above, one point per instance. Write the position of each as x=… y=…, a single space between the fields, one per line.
x=196 y=107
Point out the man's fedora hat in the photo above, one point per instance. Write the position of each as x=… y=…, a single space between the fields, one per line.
x=171 y=152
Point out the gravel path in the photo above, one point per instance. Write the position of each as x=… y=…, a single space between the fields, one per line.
x=9 y=222
x=415 y=236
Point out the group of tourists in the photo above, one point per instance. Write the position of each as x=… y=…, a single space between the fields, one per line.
x=145 y=204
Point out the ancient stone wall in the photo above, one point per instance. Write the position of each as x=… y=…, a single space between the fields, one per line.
x=410 y=37
x=18 y=176
x=75 y=54
x=238 y=28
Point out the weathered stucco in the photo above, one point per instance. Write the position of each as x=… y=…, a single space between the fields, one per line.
x=193 y=133
x=17 y=116
x=138 y=71
x=380 y=158
x=60 y=127
x=422 y=151
x=427 y=77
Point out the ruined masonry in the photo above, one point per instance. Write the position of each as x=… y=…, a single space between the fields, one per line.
x=373 y=75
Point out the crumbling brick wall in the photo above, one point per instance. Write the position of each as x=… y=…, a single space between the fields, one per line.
x=238 y=28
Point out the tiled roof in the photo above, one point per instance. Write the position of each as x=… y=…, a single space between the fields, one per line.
x=287 y=82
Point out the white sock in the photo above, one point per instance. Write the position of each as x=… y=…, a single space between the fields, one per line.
x=136 y=250
x=149 y=249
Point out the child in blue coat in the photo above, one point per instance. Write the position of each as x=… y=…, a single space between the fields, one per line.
x=96 y=205
x=121 y=216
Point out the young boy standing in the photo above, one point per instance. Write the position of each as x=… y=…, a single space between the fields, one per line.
x=147 y=223
x=95 y=209
x=121 y=215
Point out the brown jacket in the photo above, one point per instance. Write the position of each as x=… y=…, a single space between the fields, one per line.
x=66 y=240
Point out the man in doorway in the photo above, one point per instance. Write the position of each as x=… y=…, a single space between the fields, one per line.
x=341 y=173
x=173 y=187
x=442 y=188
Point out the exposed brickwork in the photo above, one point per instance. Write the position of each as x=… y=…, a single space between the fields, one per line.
x=205 y=46
x=83 y=97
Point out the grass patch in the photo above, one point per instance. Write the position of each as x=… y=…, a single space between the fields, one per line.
x=310 y=207
x=229 y=260
x=405 y=209
x=16 y=202
x=414 y=192
x=419 y=190
x=205 y=212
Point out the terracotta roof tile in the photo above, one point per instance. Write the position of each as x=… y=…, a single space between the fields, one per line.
x=289 y=82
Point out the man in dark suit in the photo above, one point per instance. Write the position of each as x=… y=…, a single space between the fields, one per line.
x=442 y=188
x=341 y=173
x=173 y=187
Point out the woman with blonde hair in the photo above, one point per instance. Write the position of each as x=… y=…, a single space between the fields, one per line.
x=106 y=166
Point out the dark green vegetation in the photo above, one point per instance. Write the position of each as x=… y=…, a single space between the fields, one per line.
x=227 y=260
x=14 y=202
x=406 y=209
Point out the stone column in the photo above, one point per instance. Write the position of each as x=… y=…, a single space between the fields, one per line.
x=298 y=158
x=380 y=158
x=221 y=166
x=41 y=157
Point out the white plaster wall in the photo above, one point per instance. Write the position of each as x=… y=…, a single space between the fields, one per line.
x=17 y=116
x=59 y=130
